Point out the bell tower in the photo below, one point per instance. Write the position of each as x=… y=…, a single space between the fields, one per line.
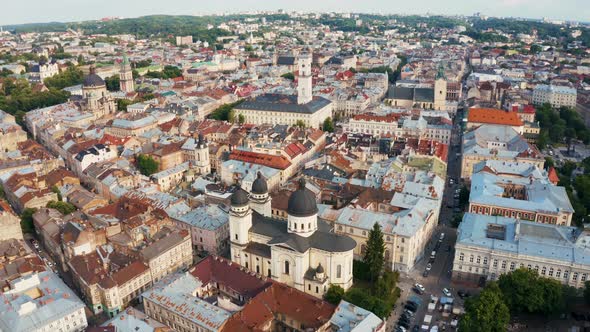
x=126 y=76
x=304 y=83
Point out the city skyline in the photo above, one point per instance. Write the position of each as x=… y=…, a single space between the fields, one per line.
x=72 y=10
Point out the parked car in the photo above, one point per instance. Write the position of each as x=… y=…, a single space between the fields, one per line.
x=446 y=292
x=463 y=294
x=428 y=267
x=425 y=274
x=404 y=324
x=420 y=287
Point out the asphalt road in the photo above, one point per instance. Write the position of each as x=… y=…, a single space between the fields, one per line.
x=439 y=276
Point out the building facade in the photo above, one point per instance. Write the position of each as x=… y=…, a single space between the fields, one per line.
x=301 y=252
x=557 y=96
x=489 y=246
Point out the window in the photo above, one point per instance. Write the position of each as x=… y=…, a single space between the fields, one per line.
x=485 y=261
x=512 y=265
x=339 y=271
x=268 y=274
x=495 y=263
x=478 y=259
x=551 y=272
x=575 y=276
x=583 y=277
x=286 y=267
x=566 y=274
x=503 y=264
x=461 y=257
x=558 y=273
x=543 y=270
x=317 y=289
x=470 y=258
x=308 y=286
x=236 y=237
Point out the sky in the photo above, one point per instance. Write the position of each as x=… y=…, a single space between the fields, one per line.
x=36 y=11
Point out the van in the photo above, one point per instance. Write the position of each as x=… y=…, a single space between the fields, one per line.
x=433 y=255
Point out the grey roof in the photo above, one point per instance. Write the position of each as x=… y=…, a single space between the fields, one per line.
x=239 y=198
x=408 y=93
x=259 y=186
x=283 y=103
x=258 y=249
x=424 y=95
x=302 y=202
x=93 y=80
x=321 y=239
x=286 y=61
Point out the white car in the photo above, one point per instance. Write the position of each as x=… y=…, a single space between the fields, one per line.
x=442 y=236
x=420 y=287
x=428 y=267
x=446 y=292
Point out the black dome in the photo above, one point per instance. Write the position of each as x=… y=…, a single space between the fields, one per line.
x=320 y=269
x=259 y=185
x=93 y=80
x=302 y=202
x=239 y=198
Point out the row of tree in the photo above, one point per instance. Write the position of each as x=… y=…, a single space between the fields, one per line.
x=560 y=126
x=520 y=291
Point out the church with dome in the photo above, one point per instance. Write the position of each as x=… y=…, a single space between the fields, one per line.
x=95 y=97
x=301 y=252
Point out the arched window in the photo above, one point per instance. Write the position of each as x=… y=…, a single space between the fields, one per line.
x=286 y=267
x=338 y=271
x=386 y=256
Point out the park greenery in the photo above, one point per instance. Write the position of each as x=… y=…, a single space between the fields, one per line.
x=18 y=95
x=560 y=126
x=375 y=287
x=69 y=77
x=26 y=221
x=522 y=291
x=147 y=165
x=113 y=83
x=225 y=112
x=64 y=207
x=166 y=73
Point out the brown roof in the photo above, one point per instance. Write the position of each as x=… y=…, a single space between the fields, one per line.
x=494 y=116
x=280 y=299
x=58 y=175
x=230 y=275
x=129 y=272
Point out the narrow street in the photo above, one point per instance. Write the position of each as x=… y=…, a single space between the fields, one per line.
x=439 y=276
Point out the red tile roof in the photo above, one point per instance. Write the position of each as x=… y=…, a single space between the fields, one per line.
x=230 y=275
x=277 y=162
x=553 y=177
x=494 y=116
x=277 y=300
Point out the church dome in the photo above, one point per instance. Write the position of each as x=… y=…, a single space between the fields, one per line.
x=259 y=186
x=93 y=80
x=320 y=269
x=239 y=198
x=302 y=202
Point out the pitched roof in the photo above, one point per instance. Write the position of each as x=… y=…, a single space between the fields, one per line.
x=494 y=116
x=280 y=299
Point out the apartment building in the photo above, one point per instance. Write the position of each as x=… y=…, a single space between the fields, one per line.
x=489 y=246
x=557 y=96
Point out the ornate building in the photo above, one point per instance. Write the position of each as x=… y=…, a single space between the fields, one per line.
x=95 y=96
x=301 y=252
x=126 y=76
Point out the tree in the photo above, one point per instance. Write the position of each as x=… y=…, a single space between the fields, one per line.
x=26 y=220
x=328 y=125
x=486 y=312
x=122 y=104
x=64 y=207
x=587 y=292
x=300 y=124
x=374 y=255
x=525 y=291
x=55 y=189
x=241 y=119
x=113 y=83
x=147 y=165
x=69 y=77
x=334 y=294
x=289 y=76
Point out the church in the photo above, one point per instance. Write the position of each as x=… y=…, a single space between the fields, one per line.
x=301 y=252
x=434 y=98
x=95 y=96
